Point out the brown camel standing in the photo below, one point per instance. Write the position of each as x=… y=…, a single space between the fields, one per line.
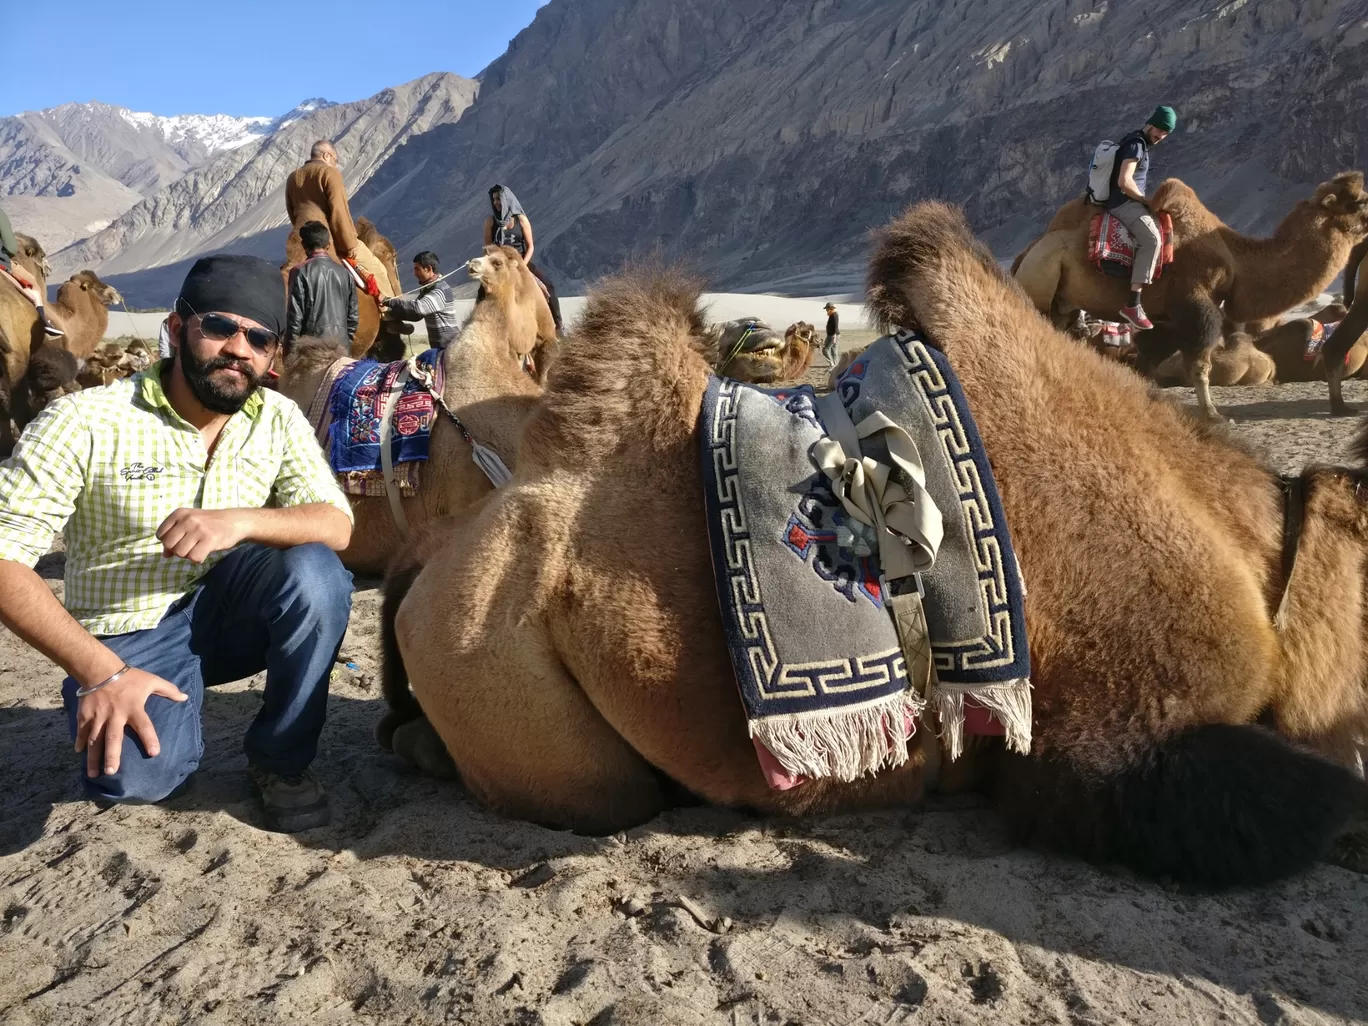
x=1217 y=274
x=486 y=387
x=565 y=643
x=371 y=341
x=1350 y=331
x=20 y=331
x=81 y=309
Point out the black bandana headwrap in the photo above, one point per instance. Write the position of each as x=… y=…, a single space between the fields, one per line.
x=243 y=285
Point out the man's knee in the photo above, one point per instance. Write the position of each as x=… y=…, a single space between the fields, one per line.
x=314 y=576
x=141 y=780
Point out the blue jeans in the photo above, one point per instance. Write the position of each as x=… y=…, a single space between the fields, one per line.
x=279 y=610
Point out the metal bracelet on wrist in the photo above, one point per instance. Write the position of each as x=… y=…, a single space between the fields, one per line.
x=82 y=692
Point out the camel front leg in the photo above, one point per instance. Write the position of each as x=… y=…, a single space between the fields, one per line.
x=1200 y=374
x=521 y=733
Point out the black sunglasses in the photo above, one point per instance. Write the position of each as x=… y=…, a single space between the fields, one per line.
x=220 y=328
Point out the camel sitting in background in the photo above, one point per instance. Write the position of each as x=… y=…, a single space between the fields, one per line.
x=565 y=643
x=1350 y=333
x=486 y=387
x=1235 y=361
x=370 y=341
x=1216 y=274
x=750 y=350
x=20 y=330
x=112 y=362
x=1290 y=343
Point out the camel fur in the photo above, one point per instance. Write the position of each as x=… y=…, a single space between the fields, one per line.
x=1217 y=274
x=370 y=341
x=1349 y=336
x=20 y=330
x=563 y=638
x=486 y=387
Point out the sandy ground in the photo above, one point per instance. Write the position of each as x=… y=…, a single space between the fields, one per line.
x=418 y=906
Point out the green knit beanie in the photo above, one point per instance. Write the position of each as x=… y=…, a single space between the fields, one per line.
x=1165 y=118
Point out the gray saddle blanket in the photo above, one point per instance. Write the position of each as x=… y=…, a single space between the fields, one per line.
x=822 y=670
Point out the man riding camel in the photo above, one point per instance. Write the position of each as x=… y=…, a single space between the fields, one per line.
x=316 y=192
x=9 y=249
x=1127 y=204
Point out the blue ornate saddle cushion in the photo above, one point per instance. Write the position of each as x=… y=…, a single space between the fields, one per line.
x=818 y=661
x=356 y=404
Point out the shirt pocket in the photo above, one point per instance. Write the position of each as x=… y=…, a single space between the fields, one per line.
x=253 y=478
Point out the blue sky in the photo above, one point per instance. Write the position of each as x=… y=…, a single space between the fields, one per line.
x=242 y=57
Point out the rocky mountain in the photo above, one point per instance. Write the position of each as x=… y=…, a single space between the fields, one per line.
x=762 y=139
x=68 y=171
x=235 y=199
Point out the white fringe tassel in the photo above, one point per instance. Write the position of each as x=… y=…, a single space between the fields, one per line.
x=845 y=744
x=1009 y=703
x=488 y=461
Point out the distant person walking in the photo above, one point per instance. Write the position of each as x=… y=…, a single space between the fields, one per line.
x=831 y=348
x=316 y=192
x=322 y=296
x=510 y=227
x=9 y=249
x=435 y=303
x=1128 y=205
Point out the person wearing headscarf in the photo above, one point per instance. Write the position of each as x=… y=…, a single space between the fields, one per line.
x=510 y=226
x=202 y=527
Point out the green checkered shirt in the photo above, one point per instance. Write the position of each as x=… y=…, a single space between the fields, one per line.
x=110 y=464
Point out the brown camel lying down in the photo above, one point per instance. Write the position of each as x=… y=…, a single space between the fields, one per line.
x=564 y=639
x=763 y=357
x=1235 y=361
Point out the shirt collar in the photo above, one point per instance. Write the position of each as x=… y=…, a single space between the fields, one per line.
x=148 y=386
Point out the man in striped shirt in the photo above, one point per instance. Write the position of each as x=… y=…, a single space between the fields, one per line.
x=435 y=302
x=202 y=524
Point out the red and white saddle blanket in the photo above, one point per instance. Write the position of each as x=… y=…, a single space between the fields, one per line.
x=1110 y=241
x=1319 y=333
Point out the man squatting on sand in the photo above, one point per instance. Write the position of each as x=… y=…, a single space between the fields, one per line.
x=178 y=577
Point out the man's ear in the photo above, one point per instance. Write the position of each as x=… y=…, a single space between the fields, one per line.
x=174 y=323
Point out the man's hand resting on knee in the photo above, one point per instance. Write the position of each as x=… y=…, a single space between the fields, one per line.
x=102 y=715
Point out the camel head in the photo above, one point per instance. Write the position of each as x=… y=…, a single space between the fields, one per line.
x=32 y=250
x=87 y=281
x=511 y=291
x=748 y=349
x=1344 y=201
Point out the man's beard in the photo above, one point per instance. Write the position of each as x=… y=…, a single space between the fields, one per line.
x=212 y=395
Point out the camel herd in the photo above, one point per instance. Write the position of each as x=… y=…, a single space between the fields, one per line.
x=1200 y=700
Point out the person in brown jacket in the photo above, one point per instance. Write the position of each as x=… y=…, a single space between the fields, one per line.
x=315 y=192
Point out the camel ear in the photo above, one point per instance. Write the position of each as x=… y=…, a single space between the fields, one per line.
x=1329 y=200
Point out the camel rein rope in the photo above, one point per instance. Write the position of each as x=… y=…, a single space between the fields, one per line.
x=1294 y=516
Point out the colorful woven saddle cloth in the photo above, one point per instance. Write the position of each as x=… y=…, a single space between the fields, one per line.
x=1112 y=247
x=809 y=582
x=356 y=406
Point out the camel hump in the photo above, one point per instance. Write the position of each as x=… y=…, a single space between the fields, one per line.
x=1174 y=195
x=1215 y=805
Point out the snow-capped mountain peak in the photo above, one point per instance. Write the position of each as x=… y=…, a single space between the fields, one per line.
x=215 y=132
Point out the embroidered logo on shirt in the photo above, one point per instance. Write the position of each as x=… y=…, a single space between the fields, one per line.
x=140 y=472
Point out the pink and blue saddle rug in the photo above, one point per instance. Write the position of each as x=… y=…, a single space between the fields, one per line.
x=821 y=669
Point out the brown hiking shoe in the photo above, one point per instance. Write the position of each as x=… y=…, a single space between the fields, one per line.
x=293 y=803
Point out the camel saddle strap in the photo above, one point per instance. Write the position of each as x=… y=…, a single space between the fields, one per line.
x=387 y=451
x=1294 y=514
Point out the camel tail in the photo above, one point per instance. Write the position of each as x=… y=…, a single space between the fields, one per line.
x=1213 y=806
